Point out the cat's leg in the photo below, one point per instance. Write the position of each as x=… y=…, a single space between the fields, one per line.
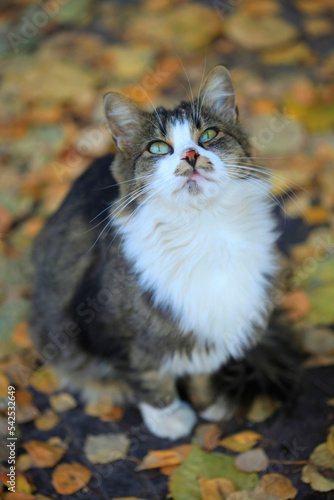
x=207 y=400
x=163 y=412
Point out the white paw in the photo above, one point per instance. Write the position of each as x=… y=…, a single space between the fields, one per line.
x=173 y=421
x=221 y=409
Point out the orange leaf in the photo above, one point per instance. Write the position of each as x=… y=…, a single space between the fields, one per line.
x=44 y=380
x=43 y=454
x=216 y=489
x=162 y=458
x=69 y=478
x=21 y=335
x=296 y=304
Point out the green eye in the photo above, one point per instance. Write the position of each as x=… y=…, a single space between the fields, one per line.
x=159 y=148
x=209 y=134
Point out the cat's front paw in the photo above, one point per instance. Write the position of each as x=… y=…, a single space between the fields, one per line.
x=173 y=421
x=221 y=409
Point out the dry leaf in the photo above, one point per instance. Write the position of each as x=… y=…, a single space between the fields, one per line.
x=24 y=462
x=252 y=461
x=216 y=489
x=253 y=33
x=316 y=215
x=296 y=304
x=43 y=454
x=69 y=478
x=162 y=458
x=21 y=335
x=44 y=380
x=330 y=441
x=278 y=486
x=207 y=436
x=47 y=420
x=4 y=383
x=242 y=441
x=23 y=397
x=63 y=402
x=106 y=448
x=105 y=410
x=26 y=413
x=262 y=408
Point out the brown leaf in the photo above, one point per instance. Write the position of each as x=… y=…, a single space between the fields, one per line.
x=63 y=402
x=6 y=220
x=252 y=461
x=26 y=413
x=43 y=454
x=4 y=383
x=162 y=458
x=242 y=441
x=296 y=304
x=278 y=486
x=207 y=436
x=23 y=397
x=216 y=489
x=69 y=478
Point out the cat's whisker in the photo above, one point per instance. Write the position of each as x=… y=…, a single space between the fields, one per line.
x=124 y=182
x=200 y=88
x=154 y=108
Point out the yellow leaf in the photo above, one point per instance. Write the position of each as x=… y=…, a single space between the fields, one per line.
x=47 y=420
x=4 y=383
x=69 y=478
x=330 y=440
x=62 y=402
x=242 y=441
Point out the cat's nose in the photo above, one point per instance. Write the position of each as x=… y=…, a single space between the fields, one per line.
x=190 y=155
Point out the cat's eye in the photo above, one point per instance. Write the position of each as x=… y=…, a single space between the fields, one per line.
x=207 y=135
x=159 y=148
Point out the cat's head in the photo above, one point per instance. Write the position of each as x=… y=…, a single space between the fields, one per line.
x=186 y=156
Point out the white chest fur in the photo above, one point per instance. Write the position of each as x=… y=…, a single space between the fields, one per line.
x=210 y=267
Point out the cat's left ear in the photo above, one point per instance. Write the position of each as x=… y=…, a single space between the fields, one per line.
x=124 y=119
x=218 y=94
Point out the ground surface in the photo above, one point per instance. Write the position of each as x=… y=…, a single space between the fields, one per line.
x=57 y=60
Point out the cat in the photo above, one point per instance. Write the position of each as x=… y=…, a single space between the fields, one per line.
x=159 y=270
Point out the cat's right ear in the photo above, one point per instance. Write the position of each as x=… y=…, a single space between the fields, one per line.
x=124 y=118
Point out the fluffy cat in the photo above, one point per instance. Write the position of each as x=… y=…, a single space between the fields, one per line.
x=160 y=268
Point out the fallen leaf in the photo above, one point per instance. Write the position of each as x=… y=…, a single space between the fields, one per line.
x=105 y=410
x=4 y=383
x=21 y=335
x=6 y=220
x=195 y=24
x=23 y=397
x=318 y=27
x=69 y=478
x=47 y=420
x=330 y=440
x=62 y=402
x=24 y=462
x=26 y=413
x=43 y=454
x=296 y=304
x=258 y=33
x=162 y=458
x=216 y=489
x=291 y=54
x=44 y=380
x=262 y=408
x=207 y=436
x=22 y=484
x=242 y=441
x=184 y=483
x=278 y=486
x=252 y=461
x=316 y=215
x=106 y=448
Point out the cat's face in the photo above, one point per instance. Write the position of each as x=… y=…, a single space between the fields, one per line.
x=186 y=156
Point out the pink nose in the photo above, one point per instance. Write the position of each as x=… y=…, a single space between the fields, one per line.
x=190 y=156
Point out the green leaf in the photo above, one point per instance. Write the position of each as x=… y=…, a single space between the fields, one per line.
x=184 y=483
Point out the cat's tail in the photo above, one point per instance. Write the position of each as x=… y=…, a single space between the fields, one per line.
x=270 y=368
